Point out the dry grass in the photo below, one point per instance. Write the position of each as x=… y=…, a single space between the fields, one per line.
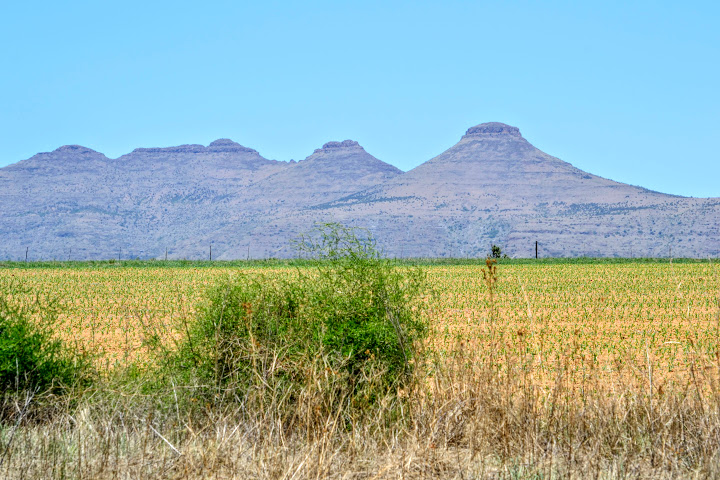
x=570 y=372
x=467 y=419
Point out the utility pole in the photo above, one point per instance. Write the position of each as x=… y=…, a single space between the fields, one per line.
x=211 y=252
x=27 y=249
x=536 y=249
x=248 y=255
x=166 y=254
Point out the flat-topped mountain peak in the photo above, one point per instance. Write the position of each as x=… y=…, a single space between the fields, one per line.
x=336 y=170
x=67 y=156
x=224 y=142
x=227 y=145
x=74 y=149
x=221 y=145
x=188 y=148
x=348 y=158
x=493 y=129
x=344 y=145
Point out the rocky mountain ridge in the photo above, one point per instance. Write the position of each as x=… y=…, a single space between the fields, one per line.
x=492 y=187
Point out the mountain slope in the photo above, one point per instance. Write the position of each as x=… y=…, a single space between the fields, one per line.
x=335 y=170
x=493 y=164
x=492 y=187
x=75 y=202
x=495 y=187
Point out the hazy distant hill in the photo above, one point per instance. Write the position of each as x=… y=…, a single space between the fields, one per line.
x=491 y=187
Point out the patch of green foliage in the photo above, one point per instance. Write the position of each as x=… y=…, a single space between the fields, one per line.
x=350 y=325
x=30 y=358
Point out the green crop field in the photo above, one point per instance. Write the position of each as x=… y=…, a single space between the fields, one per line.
x=593 y=313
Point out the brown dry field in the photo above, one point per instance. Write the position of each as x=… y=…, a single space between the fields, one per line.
x=591 y=320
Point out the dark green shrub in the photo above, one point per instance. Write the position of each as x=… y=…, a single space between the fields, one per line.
x=30 y=358
x=243 y=320
x=349 y=325
x=363 y=305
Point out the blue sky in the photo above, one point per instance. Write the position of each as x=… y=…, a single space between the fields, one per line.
x=626 y=90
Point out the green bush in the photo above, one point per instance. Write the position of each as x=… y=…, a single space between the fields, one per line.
x=243 y=320
x=30 y=358
x=362 y=306
x=348 y=327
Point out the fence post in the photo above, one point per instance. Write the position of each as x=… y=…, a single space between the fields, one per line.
x=536 y=249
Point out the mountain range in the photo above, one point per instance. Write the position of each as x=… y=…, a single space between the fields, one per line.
x=492 y=187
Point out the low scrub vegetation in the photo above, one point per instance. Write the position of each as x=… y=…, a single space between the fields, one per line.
x=341 y=335
x=31 y=358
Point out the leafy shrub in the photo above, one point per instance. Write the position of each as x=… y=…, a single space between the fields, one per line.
x=361 y=304
x=243 y=319
x=30 y=358
x=347 y=329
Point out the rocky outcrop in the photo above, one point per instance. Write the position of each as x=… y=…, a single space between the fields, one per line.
x=345 y=144
x=493 y=129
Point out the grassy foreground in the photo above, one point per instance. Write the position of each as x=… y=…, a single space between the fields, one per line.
x=554 y=370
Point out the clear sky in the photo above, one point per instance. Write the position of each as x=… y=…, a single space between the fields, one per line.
x=626 y=90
